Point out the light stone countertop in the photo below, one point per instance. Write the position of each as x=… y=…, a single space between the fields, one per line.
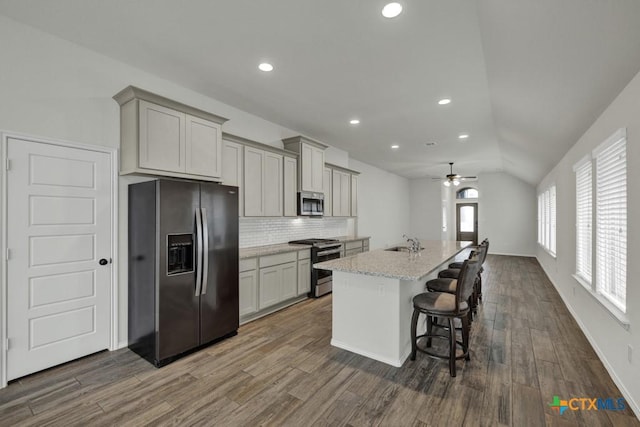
x=344 y=239
x=256 y=251
x=398 y=265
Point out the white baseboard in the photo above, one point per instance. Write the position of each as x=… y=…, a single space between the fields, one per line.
x=509 y=254
x=627 y=396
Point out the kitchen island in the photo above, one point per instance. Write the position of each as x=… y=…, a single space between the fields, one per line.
x=372 y=297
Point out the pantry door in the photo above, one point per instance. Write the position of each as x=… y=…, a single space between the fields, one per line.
x=59 y=249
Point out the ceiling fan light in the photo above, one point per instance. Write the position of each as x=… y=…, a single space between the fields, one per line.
x=456 y=182
x=447 y=184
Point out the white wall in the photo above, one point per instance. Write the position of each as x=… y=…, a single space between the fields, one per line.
x=59 y=90
x=426 y=208
x=606 y=334
x=383 y=205
x=507 y=214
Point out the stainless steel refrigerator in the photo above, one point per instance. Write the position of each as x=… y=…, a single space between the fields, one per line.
x=183 y=267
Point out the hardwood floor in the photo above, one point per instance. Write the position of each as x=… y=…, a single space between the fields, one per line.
x=281 y=370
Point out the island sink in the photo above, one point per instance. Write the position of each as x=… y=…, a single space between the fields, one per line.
x=400 y=249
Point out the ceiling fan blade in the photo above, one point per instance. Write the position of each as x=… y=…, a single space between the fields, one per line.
x=468 y=177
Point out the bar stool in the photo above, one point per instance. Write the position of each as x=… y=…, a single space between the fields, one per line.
x=472 y=255
x=448 y=306
x=480 y=253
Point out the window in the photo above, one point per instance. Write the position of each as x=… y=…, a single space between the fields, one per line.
x=467 y=193
x=540 y=210
x=603 y=182
x=552 y=220
x=583 y=219
x=547 y=219
x=611 y=219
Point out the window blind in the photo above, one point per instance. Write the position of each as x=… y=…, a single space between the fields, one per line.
x=552 y=220
x=584 y=215
x=547 y=219
x=545 y=234
x=540 y=203
x=611 y=220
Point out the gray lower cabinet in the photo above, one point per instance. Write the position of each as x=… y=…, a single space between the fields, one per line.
x=278 y=278
x=269 y=280
x=248 y=292
x=248 y=286
x=304 y=276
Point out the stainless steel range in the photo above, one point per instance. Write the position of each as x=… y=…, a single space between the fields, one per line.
x=321 y=250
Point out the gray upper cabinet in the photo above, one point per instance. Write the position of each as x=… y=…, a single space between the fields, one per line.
x=266 y=176
x=344 y=191
x=273 y=184
x=290 y=186
x=253 y=182
x=263 y=183
x=162 y=138
x=203 y=147
x=341 y=196
x=311 y=165
x=327 y=178
x=159 y=136
x=233 y=168
x=354 y=195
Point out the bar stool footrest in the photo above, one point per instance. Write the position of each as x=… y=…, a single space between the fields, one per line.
x=438 y=355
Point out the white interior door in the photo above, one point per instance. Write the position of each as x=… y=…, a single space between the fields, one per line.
x=59 y=227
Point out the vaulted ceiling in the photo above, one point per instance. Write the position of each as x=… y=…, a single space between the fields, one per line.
x=526 y=77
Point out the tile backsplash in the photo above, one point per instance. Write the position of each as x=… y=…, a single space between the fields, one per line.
x=269 y=231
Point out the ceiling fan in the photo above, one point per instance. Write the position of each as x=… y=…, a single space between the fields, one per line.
x=454 y=178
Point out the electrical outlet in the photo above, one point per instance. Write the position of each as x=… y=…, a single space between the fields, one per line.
x=630 y=353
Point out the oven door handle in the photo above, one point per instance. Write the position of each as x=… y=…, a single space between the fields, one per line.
x=335 y=251
x=330 y=245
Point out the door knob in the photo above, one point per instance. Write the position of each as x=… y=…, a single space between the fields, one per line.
x=103 y=262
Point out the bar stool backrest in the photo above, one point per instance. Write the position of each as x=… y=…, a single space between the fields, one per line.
x=466 y=279
x=482 y=251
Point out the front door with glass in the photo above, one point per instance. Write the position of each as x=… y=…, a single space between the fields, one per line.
x=467 y=222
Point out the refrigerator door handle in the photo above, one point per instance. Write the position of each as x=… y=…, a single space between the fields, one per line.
x=205 y=253
x=198 y=252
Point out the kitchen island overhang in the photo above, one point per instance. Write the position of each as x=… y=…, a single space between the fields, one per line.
x=373 y=293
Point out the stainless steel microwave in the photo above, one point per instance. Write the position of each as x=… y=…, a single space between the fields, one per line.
x=310 y=204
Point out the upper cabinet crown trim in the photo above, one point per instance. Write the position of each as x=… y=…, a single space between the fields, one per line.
x=305 y=139
x=251 y=143
x=132 y=92
x=340 y=168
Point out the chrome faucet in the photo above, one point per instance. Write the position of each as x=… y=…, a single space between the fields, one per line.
x=414 y=247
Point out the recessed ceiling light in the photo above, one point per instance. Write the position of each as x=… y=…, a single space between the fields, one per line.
x=391 y=10
x=430 y=143
x=265 y=66
x=444 y=101
x=463 y=136
x=354 y=121
x=395 y=146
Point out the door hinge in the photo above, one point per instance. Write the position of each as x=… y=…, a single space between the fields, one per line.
x=8 y=254
x=8 y=165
